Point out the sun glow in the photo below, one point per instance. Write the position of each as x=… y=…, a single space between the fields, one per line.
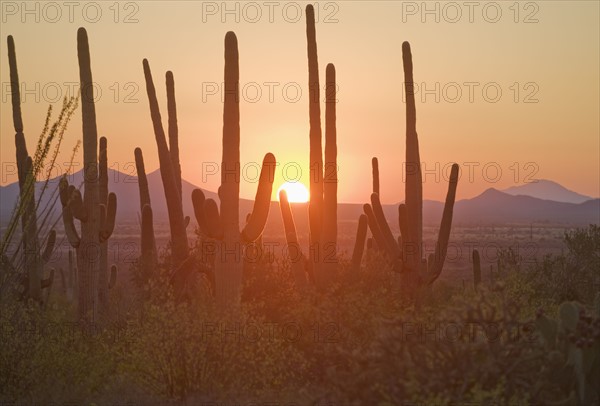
x=296 y=192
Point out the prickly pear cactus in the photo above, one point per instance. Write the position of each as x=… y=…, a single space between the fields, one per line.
x=572 y=341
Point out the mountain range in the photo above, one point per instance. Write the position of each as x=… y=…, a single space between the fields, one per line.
x=541 y=202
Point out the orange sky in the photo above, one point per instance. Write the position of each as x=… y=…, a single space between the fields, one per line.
x=554 y=63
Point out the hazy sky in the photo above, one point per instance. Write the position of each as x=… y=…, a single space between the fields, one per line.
x=543 y=58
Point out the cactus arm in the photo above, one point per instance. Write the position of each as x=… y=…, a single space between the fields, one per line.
x=390 y=242
x=176 y=220
x=374 y=226
x=142 y=179
x=108 y=225
x=441 y=247
x=67 y=215
x=476 y=269
x=316 y=150
x=413 y=185
x=198 y=200
x=70 y=230
x=359 y=244
x=46 y=283
x=294 y=250
x=213 y=220
x=403 y=222
x=173 y=130
x=256 y=221
x=103 y=171
x=113 y=277
x=49 y=248
x=15 y=90
x=375 y=166
x=230 y=170
x=14 y=85
x=148 y=244
x=330 y=182
x=77 y=206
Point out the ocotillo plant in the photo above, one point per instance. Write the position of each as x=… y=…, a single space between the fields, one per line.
x=223 y=226
x=405 y=252
x=34 y=258
x=170 y=171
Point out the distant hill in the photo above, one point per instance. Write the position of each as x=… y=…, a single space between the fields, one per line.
x=125 y=186
x=492 y=206
x=547 y=190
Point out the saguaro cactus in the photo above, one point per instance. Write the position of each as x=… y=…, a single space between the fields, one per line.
x=108 y=209
x=359 y=244
x=97 y=217
x=476 y=269
x=224 y=226
x=297 y=259
x=34 y=259
x=375 y=166
x=406 y=251
x=170 y=171
x=323 y=178
x=149 y=254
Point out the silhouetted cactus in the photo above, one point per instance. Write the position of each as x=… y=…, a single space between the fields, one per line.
x=96 y=210
x=405 y=251
x=149 y=253
x=297 y=259
x=108 y=211
x=149 y=256
x=573 y=340
x=359 y=243
x=476 y=269
x=375 y=167
x=170 y=171
x=322 y=208
x=34 y=257
x=142 y=179
x=323 y=178
x=224 y=226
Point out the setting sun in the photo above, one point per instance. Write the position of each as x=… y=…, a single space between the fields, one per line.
x=296 y=192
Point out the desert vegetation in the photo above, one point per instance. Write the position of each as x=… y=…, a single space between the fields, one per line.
x=219 y=320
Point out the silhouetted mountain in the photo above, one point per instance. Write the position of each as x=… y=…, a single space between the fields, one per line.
x=547 y=190
x=492 y=206
x=496 y=206
x=125 y=186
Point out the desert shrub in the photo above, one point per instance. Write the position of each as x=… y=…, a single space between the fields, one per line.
x=46 y=359
x=184 y=352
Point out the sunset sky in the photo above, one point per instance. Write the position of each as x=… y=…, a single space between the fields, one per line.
x=546 y=119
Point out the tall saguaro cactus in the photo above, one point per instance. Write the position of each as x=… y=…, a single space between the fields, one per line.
x=223 y=225
x=149 y=254
x=323 y=174
x=170 y=170
x=96 y=210
x=323 y=178
x=406 y=251
x=34 y=258
x=90 y=228
x=108 y=209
